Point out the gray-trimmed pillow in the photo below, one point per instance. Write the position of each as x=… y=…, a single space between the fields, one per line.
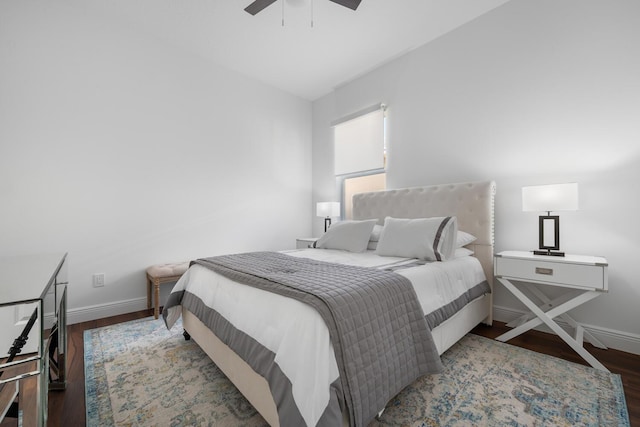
x=430 y=239
x=375 y=237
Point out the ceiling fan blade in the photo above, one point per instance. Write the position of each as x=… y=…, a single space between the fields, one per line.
x=258 y=5
x=351 y=4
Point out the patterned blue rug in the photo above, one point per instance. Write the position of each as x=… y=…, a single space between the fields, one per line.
x=139 y=374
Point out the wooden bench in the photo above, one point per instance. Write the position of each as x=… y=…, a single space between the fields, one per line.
x=162 y=273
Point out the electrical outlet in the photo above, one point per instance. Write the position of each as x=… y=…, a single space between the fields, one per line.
x=98 y=280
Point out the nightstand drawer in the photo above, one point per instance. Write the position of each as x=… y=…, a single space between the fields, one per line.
x=581 y=276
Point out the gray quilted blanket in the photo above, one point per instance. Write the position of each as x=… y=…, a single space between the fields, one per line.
x=379 y=333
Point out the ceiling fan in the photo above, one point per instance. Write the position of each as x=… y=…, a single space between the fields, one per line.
x=258 y=5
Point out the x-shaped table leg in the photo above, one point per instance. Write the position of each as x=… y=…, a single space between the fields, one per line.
x=547 y=319
x=548 y=304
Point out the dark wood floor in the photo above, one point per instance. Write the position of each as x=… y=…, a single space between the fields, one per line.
x=66 y=408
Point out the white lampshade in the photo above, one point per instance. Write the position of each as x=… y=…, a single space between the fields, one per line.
x=328 y=209
x=550 y=198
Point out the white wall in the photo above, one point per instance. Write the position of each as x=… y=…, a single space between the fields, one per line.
x=533 y=92
x=125 y=152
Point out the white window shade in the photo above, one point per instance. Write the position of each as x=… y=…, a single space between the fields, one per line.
x=359 y=143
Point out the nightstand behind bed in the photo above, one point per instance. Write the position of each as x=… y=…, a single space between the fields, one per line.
x=305 y=242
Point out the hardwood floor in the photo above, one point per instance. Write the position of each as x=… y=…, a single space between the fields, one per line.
x=67 y=408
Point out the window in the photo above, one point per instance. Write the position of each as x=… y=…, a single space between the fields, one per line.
x=360 y=184
x=360 y=154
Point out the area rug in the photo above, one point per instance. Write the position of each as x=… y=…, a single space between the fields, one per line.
x=139 y=374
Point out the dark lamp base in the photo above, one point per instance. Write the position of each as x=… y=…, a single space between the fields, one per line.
x=548 y=253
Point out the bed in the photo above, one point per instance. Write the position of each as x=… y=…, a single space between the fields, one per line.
x=472 y=206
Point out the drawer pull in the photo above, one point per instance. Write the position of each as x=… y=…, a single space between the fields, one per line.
x=545 y=271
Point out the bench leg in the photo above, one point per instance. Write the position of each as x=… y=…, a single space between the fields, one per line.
x=156 y=290
x=148 y=293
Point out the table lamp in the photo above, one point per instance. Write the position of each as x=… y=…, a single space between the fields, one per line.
x=550 y=198
x=327 y=210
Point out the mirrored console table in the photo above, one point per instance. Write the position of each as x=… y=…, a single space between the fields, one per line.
x=33 y=334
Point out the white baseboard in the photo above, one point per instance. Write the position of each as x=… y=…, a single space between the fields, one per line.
x=623 y=341
x=99 y=311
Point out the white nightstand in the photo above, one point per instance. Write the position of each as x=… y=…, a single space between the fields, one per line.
x=583 y=277
x=305 y=242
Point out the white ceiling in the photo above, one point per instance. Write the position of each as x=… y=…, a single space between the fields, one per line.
x=303 y=60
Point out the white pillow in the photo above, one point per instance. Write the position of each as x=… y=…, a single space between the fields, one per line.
x=463 y=239
x=462 y=252
x=423 y=238
x=351 y=236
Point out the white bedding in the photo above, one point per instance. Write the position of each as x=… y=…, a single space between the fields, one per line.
x=296 y=333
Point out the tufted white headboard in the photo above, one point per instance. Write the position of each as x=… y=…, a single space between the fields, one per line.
x=471 y=202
